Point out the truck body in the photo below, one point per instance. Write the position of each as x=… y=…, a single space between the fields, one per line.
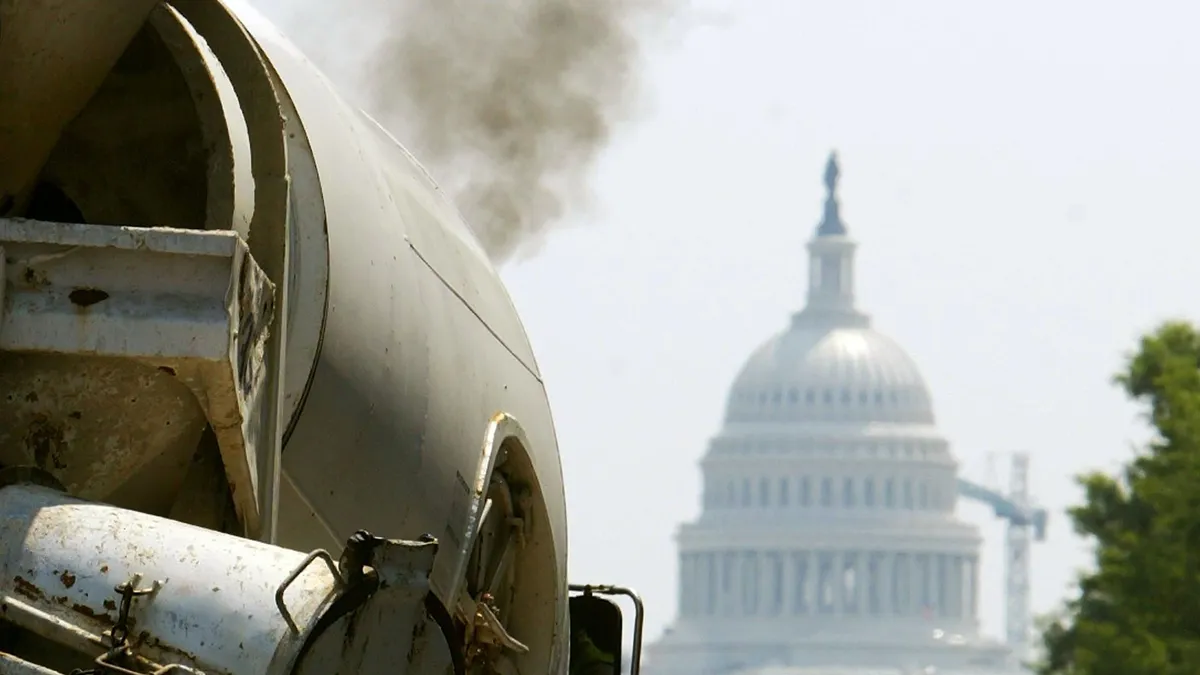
x=265 y=405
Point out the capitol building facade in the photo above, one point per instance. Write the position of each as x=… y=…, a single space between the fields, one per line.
x=827 y=542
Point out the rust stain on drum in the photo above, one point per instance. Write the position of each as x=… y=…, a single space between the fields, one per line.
x=28 y=589
x=45 y=442
x=93 y=614
x=67 y=579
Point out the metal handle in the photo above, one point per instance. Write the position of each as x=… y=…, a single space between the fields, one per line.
x=308 y=560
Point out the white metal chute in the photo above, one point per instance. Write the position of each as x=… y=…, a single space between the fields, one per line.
x=83 y=582
x=88 y=576
x=145 y=335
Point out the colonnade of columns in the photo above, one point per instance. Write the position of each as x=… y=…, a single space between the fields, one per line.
x=771 y=583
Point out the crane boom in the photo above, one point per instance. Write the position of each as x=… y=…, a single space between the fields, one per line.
x=1026 y=524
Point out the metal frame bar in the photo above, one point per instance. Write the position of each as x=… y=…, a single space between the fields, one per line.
x=639 y=616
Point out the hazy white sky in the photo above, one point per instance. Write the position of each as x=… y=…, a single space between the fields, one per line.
x=1021 y=176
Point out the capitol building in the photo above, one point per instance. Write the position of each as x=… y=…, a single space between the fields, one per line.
x=827 y=542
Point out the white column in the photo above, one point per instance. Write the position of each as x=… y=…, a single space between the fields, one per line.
x=839 y=586
x=960 y=564
x=752 y=580
x=739 y=584
x=862 y=582
x=727 y=583
x=973 y=585
x=914 y=588
x=887 y=562
x=787 y=583
x=800 y=573
x=810 y=582
x=778 y=596
x=906 y=575
x=872 y=603
x=859 y=566
x=795 y=560
x=714 y=563
x=736 y=591
x=684 y=559
x=813 y=581
x=711 y=583
x=940 y=578
x=691 y=587
x=965 y=587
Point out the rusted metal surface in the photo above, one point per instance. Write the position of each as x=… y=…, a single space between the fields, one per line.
x=94 y=577
x=118 y=345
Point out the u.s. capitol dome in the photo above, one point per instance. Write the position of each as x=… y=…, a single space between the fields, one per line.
x=827 y=541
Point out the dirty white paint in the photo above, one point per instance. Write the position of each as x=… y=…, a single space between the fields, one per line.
x=215 y=607
x=143 y=315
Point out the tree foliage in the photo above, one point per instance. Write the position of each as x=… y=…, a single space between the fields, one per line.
x=1138 y=610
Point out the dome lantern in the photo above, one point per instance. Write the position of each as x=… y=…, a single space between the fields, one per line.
x=831 y=264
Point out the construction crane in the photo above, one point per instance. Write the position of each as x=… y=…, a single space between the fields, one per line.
x=1026 y=524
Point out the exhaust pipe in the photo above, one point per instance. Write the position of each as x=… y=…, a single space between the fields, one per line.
x=54 y=55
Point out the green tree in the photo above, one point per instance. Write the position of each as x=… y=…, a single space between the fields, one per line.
x=1138 y=611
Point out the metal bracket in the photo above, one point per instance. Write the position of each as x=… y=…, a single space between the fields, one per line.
x=392 y=604
x=639 y=616
x=119 y=635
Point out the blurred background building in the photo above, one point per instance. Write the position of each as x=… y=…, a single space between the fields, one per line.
x=827 y=541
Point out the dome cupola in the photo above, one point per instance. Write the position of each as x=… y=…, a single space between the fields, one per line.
x=829 y=364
